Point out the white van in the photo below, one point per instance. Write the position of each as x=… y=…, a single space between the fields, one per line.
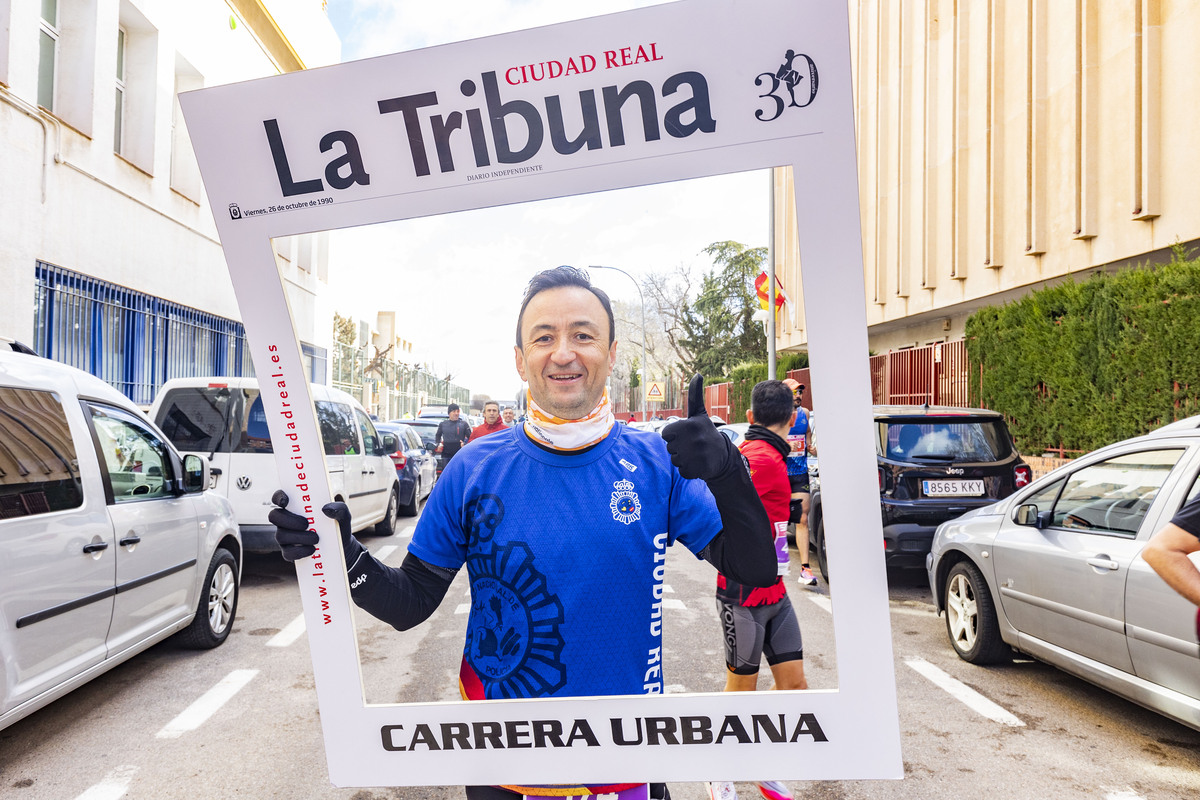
x=223 y=419
x=108 y=541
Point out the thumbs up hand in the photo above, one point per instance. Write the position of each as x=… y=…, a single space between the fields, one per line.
x=697 y=448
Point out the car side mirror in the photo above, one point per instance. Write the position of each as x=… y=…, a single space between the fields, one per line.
x=195 y=474
x=388 y=443
x=1030 y=516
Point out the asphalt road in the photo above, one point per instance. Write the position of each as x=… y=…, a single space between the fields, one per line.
x=242 y=720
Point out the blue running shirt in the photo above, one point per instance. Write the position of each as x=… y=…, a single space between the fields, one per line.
x=797 y=462
x=565 y=557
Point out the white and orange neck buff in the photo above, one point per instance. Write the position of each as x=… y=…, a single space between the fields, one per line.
x=569 y=434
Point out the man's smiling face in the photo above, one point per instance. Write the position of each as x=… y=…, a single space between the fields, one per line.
x=565 y=355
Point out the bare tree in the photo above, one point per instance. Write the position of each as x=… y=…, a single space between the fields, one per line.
x=667 y=295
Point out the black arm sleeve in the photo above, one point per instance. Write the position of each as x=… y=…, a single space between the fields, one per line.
x=402 y=597
x=745 y=547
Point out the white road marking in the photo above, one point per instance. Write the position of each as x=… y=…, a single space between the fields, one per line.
x=462 y=608
x=405 y=531
x=207 y=704
x=822 y=601
x=1124 y=794
x=963 y=693
x=667 y=589
x=385 y=552
x=912 y=612
x=671 y=602
x=114 y=785
x=674 y=688
x=290 y=633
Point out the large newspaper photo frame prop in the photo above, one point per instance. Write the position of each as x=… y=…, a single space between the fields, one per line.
x=726 y=86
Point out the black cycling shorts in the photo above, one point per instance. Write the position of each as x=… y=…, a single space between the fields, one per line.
x=750 y=632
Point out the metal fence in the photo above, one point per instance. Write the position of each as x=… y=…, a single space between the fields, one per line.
x=390 y=389
x=937 y=374
x=130 y=339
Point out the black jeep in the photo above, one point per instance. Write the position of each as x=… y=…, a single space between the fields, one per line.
x=935 y=463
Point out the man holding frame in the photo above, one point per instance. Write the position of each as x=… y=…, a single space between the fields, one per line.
x=563 y=525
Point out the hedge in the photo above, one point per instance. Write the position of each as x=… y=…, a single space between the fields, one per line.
x=744 y=376
x=1086 y=363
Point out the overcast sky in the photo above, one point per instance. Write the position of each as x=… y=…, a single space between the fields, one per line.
x=456 y=281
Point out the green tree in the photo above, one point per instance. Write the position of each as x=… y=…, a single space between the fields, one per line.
x=344 y=330
x=718 y=325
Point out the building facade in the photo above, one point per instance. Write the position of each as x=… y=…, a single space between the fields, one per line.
x=108 y=250
x=1006 y=144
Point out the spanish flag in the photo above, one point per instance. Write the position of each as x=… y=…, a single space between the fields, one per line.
x=760 y=286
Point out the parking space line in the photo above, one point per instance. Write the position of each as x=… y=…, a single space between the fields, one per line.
x=910 y=611
x=386 y=552
x=114 y=785
x=207 y=704
x=290 y=633
x=963 y=693
x=822 y=601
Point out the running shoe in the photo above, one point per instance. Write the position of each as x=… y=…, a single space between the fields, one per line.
x=722 y=790
x=774 y=790
x=807 y=578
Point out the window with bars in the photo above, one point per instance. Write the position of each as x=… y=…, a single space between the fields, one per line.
x=130 y=339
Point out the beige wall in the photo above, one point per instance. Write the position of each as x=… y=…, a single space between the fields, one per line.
x=1006 y=143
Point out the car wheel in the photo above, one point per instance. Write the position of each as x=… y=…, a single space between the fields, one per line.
x=217 y=607
x=819 y=546
x=971 y=620
x=387 y=525
x=410 y=510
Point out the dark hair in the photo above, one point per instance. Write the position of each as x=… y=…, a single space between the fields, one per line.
x=771 y=402
x=560 y=277
x=452 y=407
x=495 y=403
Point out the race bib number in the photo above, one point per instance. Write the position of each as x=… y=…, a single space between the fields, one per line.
x=798 y=442
x=636 y=793
x=781 y=547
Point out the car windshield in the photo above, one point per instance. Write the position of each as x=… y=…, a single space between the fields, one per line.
x=924 y=439
x=217 y=419
x=426 y=429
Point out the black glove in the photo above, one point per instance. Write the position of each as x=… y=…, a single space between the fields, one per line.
x=697 y=448
x=296 y=540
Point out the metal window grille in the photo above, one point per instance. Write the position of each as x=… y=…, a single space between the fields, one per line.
x=130 y=339
x=392 y=389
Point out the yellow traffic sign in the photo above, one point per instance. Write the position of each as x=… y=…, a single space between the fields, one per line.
x=656 y=392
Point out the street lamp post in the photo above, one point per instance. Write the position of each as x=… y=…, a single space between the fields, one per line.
x=642 y=300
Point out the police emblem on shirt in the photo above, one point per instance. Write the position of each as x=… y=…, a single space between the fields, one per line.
x=625 y=505
x=514 y=639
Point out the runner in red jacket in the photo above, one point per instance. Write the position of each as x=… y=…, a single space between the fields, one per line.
x=491 y=421
x=761 y=621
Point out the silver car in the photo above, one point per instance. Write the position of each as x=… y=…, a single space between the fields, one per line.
x=1054 y=571
x=108 y=541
